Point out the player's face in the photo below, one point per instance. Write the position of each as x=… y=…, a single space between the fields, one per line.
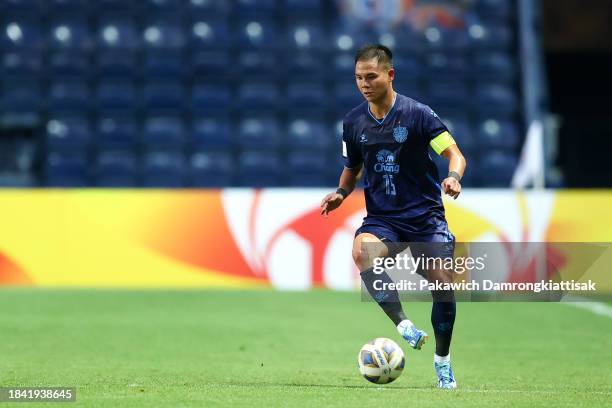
x=373 y=80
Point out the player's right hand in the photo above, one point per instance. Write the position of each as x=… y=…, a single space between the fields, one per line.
x=330 y=202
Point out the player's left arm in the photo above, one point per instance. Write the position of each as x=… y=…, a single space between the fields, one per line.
x=451 y=185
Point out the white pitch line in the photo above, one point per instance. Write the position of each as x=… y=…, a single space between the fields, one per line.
x=599 y=308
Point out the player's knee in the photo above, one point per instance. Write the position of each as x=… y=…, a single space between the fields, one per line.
x=364 y=256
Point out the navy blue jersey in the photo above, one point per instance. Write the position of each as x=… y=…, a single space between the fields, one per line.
x=401 y=181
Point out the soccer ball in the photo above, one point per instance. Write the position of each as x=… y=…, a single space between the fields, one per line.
x=381 y=361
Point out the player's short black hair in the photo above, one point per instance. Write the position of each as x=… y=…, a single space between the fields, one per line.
x=382 y=54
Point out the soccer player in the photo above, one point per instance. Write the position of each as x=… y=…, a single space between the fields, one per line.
x=386 y=140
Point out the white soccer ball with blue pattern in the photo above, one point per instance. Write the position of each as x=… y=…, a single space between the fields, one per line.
x=381 y=361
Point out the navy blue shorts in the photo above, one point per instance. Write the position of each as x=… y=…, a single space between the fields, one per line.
x=439 y=242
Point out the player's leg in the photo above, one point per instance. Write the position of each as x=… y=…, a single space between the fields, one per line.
x=443 y=310
x=366 y=248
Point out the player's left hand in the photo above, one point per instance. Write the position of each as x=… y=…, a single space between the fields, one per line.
x=452 y=187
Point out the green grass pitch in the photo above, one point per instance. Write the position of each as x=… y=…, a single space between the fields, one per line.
x=265 y=348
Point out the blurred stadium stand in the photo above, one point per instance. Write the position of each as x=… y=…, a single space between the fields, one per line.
x=214 y=93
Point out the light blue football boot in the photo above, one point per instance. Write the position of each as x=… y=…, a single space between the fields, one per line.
x=446 y=378
x=415 y=337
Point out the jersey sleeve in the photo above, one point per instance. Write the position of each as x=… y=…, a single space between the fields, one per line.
x=351 y=153
x=434 y=131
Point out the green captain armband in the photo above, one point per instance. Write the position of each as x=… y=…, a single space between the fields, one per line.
x=441 y=142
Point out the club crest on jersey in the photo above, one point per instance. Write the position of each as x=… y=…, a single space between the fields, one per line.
x=400 y=134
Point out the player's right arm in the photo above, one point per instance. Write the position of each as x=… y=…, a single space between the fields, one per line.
x=353 y=169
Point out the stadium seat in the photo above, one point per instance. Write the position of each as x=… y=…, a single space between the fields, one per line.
x=308 y=132
x=163 y=131
x=446 y=66
x=261 y=64
x=344 y=64
x=163 y=168
x=69 y=63
x=68 y=132
x=207 y=34
x=255 y=7
x=212 y=64
x=303 y=6
x=307 y=95
x=75 y=6
x=67 y=169
x=407 y=67
x=116 y=168
x=258 y=95
x=501 y=9
x=163 y=35
x=117 y=63
x=257 y=33
x=71 y=95
x=347 y=97
x=497 y=167
x=211 y=132
x=209 y=7
x=211 y=97
x=438 y=38
x=500 y=134
x=163 y=96
x=115 y=132
x=447 y=95
x=163 y=64
x=461 y=130
x=21 y=96
x=22 y=6
x=491 y=37
x=259 y=132
x=211 y=168
x=308 y=169
x=117 y=32
x=261 y=168
x=69 y=33
x=306 y=35
x=166 y=6
x=21 y=64
x=21 y=33
x=495 y=65
x=307 y=66
x=116 y=95
x=496 y=98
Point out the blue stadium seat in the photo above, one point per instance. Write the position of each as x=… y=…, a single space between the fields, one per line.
x=407 y=67
x=74 y=6
x=442 y=95
x=211 y=97
x=116 y=95
x=163 y=131
x=70 y=95
x=165 y=6
x=209 y=7
x=117 y=63
x=306 y=35
x=212 y=168
x=308 y=169
x=212 y=64
x=259 y=95
x=500 y=134
x=303 y=6
x=69 y=33
x=261 y=168
x=114 y=5
x=347 y=97
x=497 y=167
x=28 y=64
x=257 y=33
x=493 y=8
x=21 y=96
x=494 y=37
x=117 y=32
x=163 y=35
x=259 y=63
x=441 y=66
x=163 y=168
x=164 y=96
x=255 y=6
x=163 y=64
x=67 y=169
x=461 y=130
x=13 y=6
x=209 y=34
x=307 y=95
x=446 y=39
x=116 y=168
x=344 y=64
x=308 y=132
x=259 y=132
x=68 y=132
x=68 y=63
x=212 y=132
x=346 y=41
x=116 y=132
x=306 y=65
x=21 y=33
x=496 y=98
x=495 y=65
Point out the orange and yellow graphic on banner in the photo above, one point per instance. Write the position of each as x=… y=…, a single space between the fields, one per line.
x=155 y=238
